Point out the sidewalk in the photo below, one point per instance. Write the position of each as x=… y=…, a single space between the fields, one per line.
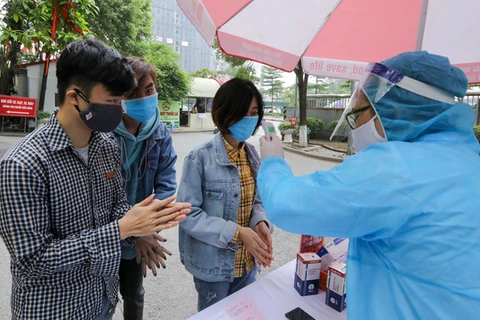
x=315 y=151
x=189 y=130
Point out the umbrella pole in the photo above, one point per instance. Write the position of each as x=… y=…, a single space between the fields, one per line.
x=421 y=25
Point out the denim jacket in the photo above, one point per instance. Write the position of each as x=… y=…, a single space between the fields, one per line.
x=157 y=166
x=212 y=185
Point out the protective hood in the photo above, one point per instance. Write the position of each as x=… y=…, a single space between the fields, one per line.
x=407 y=116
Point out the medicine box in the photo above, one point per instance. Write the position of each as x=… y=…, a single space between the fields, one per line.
x=307 y=273
x=332 y=251
x=336 y=296
x=310 y=243
x=322 y=285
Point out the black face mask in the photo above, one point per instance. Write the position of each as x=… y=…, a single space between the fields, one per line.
x=100 y=117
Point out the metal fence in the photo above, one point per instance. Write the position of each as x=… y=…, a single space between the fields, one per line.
x=472 y=98
x=338 y=101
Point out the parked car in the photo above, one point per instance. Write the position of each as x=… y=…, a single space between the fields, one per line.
x=268 y=109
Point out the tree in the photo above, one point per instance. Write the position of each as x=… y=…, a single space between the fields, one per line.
x=288 y=95
x=247 y=71
x=321 y=85
x=302 y=82
x=329 y=86
x=219 y=54
x=272 y=83
x=13 y=11
x=122 y=24
x=240 y=67
x=204 y=73
x=172 y=82
x=44 y=27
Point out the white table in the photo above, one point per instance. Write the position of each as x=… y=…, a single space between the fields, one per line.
x=275 y=295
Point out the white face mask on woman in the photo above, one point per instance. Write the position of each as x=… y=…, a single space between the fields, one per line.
x=366 y=135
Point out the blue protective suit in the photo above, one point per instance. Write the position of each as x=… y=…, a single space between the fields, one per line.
x=410 y=207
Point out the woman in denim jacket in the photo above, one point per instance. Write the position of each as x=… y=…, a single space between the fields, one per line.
x=148 y=165
x=227 y=234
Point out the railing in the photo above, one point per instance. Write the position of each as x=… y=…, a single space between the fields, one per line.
x=472 y=98
x=338 y=101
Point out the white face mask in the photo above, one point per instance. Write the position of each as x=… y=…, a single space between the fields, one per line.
x=366 y=135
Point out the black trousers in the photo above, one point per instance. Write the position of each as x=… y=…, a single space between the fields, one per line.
x=131 y=289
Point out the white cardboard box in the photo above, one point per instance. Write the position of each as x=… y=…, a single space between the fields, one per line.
x=307 y=273
x=336 y=296
x=334 y=250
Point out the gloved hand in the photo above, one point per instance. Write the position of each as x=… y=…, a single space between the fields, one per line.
x=271 y=148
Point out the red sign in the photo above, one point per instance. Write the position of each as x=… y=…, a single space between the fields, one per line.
x=293 y=121
x=13 y=106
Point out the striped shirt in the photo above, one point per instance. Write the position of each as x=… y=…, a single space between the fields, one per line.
x=58 y=219
x=243 y=258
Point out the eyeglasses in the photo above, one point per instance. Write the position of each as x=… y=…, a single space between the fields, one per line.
x=80 y=93
x=352 y=116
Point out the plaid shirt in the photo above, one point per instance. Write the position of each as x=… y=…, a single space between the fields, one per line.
x=243 y=258
x=58 y=218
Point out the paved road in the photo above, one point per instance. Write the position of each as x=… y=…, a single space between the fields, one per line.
x=171 y=295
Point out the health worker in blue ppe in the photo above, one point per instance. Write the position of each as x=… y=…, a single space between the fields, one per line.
x=148 y=165
x=408 y=198
x=227 y=237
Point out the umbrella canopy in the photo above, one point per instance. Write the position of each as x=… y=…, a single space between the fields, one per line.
x=336 y=38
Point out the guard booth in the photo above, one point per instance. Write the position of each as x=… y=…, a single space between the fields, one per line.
x=196 y=109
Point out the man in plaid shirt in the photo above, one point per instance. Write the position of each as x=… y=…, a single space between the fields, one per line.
x=63 y=211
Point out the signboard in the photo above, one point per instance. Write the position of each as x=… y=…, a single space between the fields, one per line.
x=13 y=106
x=170 y=113
x=293 y=121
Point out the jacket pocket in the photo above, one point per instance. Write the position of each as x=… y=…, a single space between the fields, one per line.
x=212 y=194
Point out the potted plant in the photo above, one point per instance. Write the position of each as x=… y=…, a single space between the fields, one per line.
x=42 y=117
x=286 y=130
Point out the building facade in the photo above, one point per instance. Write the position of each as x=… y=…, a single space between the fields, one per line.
x=172 y=27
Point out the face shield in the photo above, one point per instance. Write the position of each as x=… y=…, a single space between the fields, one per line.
x=375 y=84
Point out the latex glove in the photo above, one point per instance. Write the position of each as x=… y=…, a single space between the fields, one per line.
x=271 y=148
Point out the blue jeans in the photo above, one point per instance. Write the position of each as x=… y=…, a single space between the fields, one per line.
x=107 y=311
x=211 y=292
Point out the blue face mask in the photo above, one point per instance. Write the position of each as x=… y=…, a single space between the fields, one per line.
x=142 y=109
x=243 y=129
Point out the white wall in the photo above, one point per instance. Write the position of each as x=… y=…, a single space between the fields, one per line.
x=34 y=74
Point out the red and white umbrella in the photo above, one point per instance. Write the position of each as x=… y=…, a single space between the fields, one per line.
x=336 y=38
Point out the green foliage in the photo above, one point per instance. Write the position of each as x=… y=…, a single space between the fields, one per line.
x=246 y=71
x=29 y=23
x=6 y=84
x=476 y=129
x=271 y=81
x=173 y=82
x=329 y=86
x=42 y=115
x=285 y=125
x=316 y=125
x=239 y=68
x=288 y=95
x=331 y=126
x=204 y=73
x=122 y=24
x=232 y=61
